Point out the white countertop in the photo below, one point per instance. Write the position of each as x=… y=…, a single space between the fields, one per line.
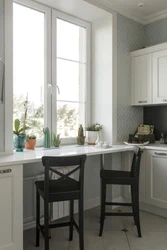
x=30 y=156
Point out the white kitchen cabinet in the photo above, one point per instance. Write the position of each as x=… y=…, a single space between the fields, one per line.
x=156 y=178
x=11 y=212
x=142 y=80
x=160 y=77
x=149 y=76
x=126 y=162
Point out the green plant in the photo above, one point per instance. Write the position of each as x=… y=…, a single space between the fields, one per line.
x=19 y=130
x=30 y=137
x=80 y=131
x=94 y=127
x=56 y=140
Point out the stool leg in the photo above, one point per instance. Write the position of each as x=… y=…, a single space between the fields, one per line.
x=71 y=220
x=103 y=200
x=133 y=204
x=81 y=224
x=46 y=225
x=137 y=212
x=37 y=217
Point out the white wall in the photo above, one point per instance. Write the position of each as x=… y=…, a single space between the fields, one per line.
x=2 y=56
x=102 y=77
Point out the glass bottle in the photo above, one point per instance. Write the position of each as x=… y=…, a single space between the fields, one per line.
x=162 y=140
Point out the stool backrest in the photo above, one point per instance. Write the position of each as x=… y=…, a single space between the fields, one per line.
x=54 y=164
x=135 y=168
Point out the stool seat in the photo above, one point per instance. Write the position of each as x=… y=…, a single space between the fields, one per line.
x=116 y=177
x=59 y=190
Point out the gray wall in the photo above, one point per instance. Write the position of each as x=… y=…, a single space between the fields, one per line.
x=156 y=32
x=1 y=56
x=130 y=37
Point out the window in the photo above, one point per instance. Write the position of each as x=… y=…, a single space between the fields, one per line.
x=28 y=66
x=71 y=81
x=51 y=73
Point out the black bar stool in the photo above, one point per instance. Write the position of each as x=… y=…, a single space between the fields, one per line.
x=62 y=189
x=113 y=177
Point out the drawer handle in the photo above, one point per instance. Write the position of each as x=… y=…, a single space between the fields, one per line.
x=163 y=154
x=164 y=100
x=142 y=101
x=6 y=171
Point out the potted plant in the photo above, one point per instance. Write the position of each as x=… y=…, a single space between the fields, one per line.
x=80 y=137
x=56 y=140
x=92 y=133
x=19 y=132
x=30 y=141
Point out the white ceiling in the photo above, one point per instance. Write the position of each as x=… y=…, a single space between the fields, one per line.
x=152 y=10
x=150 y=6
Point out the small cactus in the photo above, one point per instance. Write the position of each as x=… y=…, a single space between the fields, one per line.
x=81 y=137
x=80 y=131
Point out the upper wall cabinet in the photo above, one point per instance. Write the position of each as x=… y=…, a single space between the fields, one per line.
x=141 y=79
x=149 y=76
x=160 y=77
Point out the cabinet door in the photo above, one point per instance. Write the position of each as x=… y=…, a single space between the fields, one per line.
x=127 y=161
x=160 y=77
x=156 y=178
x=142 y=80
x=11 y=214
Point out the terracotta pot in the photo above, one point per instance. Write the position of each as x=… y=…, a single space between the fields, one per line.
x=31 y=144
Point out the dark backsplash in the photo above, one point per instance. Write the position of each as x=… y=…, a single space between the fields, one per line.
x=157 y=116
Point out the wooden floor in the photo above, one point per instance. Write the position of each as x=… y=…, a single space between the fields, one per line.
x=119 y=234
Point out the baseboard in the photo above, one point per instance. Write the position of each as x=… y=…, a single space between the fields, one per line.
x=151 y=209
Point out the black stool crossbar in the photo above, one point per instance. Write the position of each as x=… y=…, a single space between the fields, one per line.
x=64 y=188
x=113 y=177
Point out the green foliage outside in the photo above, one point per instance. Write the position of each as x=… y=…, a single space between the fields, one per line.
x=67 y=118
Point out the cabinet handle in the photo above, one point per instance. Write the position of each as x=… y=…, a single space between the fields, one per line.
x=142 y=101
x=164 y=100
x=6 y=171
x=163 y=154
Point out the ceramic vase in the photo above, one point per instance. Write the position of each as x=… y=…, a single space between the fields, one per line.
x=92 y=137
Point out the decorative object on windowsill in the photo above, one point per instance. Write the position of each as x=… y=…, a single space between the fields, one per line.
x=46 y=132
x=143 y=134
x=56 y=140
x=162 y=140
x=93 y=133
x=80 y=137
x=30 y=142
x=103 y=145
x=19 y=133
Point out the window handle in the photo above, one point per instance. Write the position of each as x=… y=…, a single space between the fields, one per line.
x=58 y=89
x=3 y=80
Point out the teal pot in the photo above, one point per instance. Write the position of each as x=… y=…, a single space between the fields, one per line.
x=19 y=142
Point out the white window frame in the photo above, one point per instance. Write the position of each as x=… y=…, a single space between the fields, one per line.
x=55 y=15
x=50 y=89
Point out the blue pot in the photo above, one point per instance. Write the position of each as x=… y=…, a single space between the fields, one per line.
x=19 y=142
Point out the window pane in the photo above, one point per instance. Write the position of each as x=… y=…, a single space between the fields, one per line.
x=70 y=79
x=71 y=42
x=29 y=66
x=69 y=118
